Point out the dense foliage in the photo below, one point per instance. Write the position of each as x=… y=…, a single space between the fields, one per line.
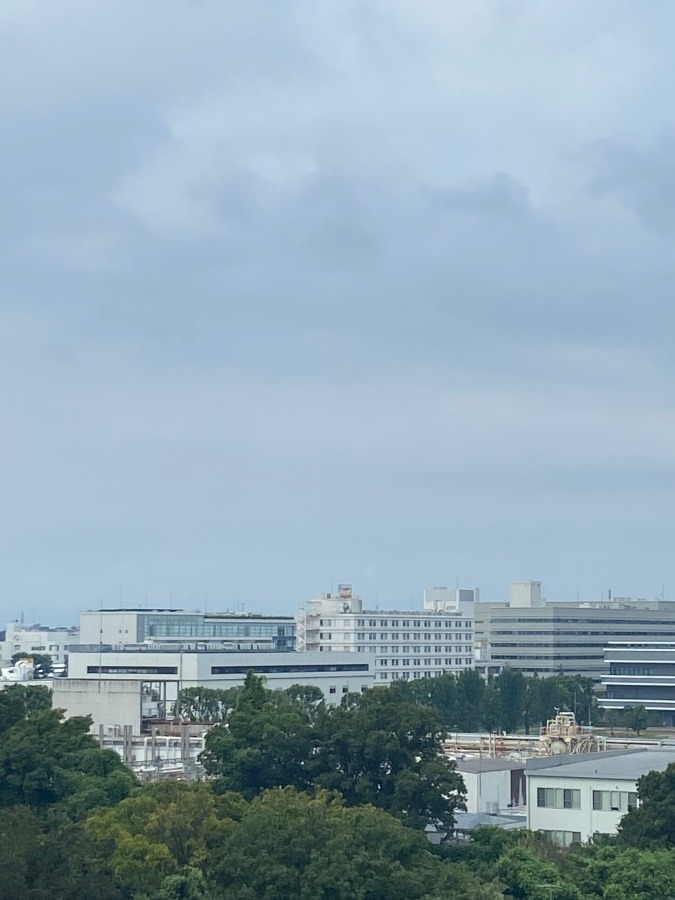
x=306 y=802
x=378 y=748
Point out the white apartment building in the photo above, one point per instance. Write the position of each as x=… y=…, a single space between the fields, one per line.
x=571 y=798
x=406 y=644
x=54 y=642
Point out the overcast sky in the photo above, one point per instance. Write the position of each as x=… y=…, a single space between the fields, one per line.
x=295 y=293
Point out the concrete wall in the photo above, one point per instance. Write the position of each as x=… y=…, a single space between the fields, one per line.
x=486 y=787
x=108 y=702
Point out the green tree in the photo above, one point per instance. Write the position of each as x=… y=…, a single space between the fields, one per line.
x=636 y=717
x=19 y=702
x=267 y=742
x=652 y=824
x=290 y=845
x=491 y=710
x=529 y=878
x=46 y=761
x=204 y=704
x=470 y=689
x=511 y=685
x=382 y=749
x=612 y=719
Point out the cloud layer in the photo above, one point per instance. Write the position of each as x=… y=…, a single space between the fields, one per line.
x=297 y=293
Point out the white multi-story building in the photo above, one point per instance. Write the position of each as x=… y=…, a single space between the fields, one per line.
x=214 y=631
x=30 y=639
x=542 y=637
x=407 y=644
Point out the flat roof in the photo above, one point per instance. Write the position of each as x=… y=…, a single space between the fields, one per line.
x=189 y=612
x=628 y=765
x=488 y=765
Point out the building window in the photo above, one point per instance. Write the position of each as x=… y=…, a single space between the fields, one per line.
x=427 y=623
x=563 y=838
x=360 y=623
x=383 y=623
x=405 y=662
x=394 y=636
x=406 y=623
x=372 y=622
x=406 y=636
x=331 y=690
x=416 y=662
x=383 y=637
x=384 y=649
x=394 y=623
x=618 y=801
x=427 y=636
x=559 y=798
x=372 y=637
x=437 y=624
x=384 y=662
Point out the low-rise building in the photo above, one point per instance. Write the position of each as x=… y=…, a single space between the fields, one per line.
x=406 y=644
x=573 y=797
x=135 y=685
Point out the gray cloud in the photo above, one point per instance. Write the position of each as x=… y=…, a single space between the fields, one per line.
x=293 y=293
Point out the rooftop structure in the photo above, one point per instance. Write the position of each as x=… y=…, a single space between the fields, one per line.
x=407 y=644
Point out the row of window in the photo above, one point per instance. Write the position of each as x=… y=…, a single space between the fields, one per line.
x=559 y=798
x=396 y=623
x=417 y=648
x=570 y=798
x=407 y=676
x=427 y=661
x=619 y=801
x=563 y=838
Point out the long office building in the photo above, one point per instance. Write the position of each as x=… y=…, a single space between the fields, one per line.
x=229 y=630
x=406 y=644
x=545 y=638
x=138 y=685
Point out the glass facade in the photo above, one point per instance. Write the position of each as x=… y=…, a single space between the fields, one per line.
x=196 y=627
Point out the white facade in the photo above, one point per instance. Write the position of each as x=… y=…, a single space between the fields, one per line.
x=406 y=644
x=575 y=797
x=236 y=631
x=113 y=685
x=493 y=785
x=29 y=639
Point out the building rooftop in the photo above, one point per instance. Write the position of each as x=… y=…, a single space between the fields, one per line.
x=624 y=765
x=465 y=821
x=489 y=765
x=190 y=612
